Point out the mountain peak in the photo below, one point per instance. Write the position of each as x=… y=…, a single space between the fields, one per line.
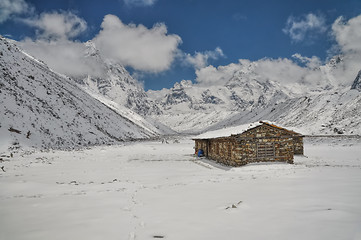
x=335 y=61
x=183 y=84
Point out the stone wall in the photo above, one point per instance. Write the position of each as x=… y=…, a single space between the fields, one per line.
x=298 y=145
x=201 y=144
x=263 y=143
x=223 y=150
x=266 y=150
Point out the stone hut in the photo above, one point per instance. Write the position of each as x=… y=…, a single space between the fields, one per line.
x=257 y=142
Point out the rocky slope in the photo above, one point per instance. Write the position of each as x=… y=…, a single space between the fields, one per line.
x=41 y=108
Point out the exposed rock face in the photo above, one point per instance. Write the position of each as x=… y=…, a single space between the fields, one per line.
x=176 y=96
x=357 y=83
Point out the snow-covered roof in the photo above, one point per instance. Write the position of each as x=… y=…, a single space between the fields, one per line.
x=227 y=132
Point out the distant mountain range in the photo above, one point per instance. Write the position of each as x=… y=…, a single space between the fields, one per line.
x=324 y=107
x=41 y=108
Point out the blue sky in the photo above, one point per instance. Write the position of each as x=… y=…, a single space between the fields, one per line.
x=220 y=32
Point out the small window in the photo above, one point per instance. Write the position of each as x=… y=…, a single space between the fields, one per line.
x=265 y=150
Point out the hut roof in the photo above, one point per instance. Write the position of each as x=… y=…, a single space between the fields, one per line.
x=284 y=129
x=227 y=132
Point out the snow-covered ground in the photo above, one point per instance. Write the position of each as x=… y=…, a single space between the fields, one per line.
x=150 y=190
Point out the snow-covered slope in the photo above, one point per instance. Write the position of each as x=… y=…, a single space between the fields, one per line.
x=323 y=106
x=41 y=108
x=327 y=113
x=145 y=122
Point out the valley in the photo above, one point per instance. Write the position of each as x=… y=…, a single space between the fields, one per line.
x=149 y=189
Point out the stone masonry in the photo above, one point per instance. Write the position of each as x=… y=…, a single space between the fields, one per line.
x=263 y=143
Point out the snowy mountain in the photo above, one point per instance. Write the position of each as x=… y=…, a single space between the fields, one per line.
x=112 y=106
x=115 y=83
x=322 y=107
x=41 y=108
x=327 y=113
x=191 y=107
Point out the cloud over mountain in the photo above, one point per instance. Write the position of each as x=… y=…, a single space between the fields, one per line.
x=200 y=59
x=143 y=49
x=137 y=46
x=57 y=25
x=154 y=50
x=54 y=45
x=299 y=69
x=211 y=75
x=347 y=34
x=63 y=56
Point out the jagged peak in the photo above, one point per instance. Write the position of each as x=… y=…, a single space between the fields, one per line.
x=335 y=60
x=183 y=84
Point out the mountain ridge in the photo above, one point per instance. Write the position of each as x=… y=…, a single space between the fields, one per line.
x=113 y=106
x=48 y=110
x=191 y=107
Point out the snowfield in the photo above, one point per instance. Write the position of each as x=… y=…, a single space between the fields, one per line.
x=150 y=190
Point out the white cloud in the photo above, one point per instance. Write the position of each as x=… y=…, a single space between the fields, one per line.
x=139 y=2
x=200 y=60
x=57 y=25
x=143 y=49
x=63 y=56
x=10 y=8
x=150 y=50
x=301 y=72
x=54 y=46
x=211 y=75
x=153 y=50
x=348 y=34
x=287 y=72
x=305 y=27
x=281 y=70
x=312 y=62
x=348 y=37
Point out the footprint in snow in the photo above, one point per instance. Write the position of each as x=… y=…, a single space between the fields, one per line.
x=233 y=206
